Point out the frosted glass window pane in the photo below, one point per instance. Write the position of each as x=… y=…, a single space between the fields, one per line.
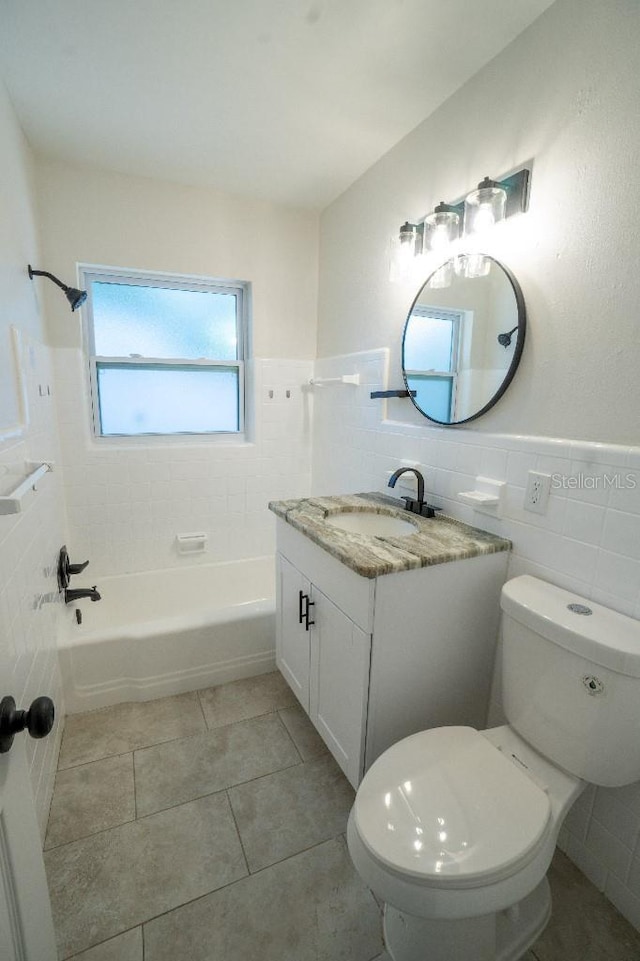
x=428 y=344
x=153 y=400
x=130 y=319
x=433 y=395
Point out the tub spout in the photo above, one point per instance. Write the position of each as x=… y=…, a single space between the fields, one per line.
x=72 y=594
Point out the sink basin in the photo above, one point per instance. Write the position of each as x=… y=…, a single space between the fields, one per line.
x=371 y=523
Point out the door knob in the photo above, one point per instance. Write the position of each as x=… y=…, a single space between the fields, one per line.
x=38 y=720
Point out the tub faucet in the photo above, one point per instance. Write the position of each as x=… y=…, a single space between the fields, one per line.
x=417 y=505
x=72 y=594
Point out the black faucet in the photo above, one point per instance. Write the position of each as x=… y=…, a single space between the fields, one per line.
x=77 y=593
x=417 y=505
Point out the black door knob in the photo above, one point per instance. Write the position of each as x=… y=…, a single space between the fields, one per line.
x=38 y=720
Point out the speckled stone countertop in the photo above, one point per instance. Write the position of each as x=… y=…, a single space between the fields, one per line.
x=436 y=541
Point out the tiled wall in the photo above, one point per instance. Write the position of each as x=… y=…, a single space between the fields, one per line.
x=127 y=502
x=30 y=605
x=588 y=541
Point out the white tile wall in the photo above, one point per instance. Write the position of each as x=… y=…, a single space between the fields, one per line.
x=588 y=541
x=30 y=605
x=127 y=502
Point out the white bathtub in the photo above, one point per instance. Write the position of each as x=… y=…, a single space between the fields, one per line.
x=165 y=632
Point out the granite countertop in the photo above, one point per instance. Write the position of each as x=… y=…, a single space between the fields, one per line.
x=436 y=541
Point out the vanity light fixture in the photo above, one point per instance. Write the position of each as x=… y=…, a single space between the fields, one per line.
x=406 y=247
x=75 y=297
x=484 y=207
x=410 y=239
x=491 y=202
x=442 y=226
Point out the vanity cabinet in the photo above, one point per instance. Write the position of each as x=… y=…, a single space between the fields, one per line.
x=372 y=660
x=293 y=649
x=325 y=657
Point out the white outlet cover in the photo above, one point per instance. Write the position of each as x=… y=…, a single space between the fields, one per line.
x=536 y=495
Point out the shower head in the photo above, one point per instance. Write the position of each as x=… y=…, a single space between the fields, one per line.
x=75 y=297
x=505 y=339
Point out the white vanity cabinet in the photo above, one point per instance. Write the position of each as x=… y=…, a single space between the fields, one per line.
x=293 y=646
x=323 y=653
x=372 y=660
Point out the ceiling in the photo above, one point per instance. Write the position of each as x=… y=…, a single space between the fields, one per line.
x=286 y=100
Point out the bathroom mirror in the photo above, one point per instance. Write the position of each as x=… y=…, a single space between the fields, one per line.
x=463 y=339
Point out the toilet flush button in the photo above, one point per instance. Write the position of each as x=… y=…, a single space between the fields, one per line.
x=579 y=609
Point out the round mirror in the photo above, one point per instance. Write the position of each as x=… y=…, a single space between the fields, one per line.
x=463 y=339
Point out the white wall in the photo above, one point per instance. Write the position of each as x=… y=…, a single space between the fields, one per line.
x=564 y=93
x=126 y=502
x=30 y=607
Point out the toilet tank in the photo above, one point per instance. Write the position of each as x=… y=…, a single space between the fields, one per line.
x=571 y=680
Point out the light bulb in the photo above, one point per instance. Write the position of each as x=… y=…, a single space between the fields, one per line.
x=483 y=219
x=439 y=237
x=403 y=252
x=441 y=227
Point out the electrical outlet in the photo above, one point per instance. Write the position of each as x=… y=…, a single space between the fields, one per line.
x=536 y=496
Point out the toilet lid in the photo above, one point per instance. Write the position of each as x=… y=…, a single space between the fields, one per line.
x=446 y=805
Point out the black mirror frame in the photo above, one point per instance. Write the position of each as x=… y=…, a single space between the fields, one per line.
x=517 y=354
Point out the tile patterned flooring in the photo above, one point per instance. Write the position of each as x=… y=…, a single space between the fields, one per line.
x=210 y=826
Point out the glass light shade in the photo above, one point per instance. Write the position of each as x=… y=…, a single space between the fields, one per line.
x=472 y=265
x=484 y=207
x=403 y=253
x=441 y=227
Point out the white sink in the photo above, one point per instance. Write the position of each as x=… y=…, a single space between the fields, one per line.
x=371 y=523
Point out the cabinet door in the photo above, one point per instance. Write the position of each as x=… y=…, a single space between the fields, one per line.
x=339 y=684
x=292 y=638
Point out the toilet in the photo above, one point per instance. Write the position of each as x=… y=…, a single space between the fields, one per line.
x=454 y=829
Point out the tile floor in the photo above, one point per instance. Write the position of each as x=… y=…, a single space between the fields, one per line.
x=210 y=826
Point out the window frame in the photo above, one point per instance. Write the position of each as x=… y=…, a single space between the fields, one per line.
x=455 y=317
x=92 y=273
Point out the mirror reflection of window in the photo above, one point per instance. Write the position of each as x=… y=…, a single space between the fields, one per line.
x=434 y=335
x=454 y=359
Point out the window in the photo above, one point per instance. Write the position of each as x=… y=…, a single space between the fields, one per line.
x=430 y=359
x=166 y=353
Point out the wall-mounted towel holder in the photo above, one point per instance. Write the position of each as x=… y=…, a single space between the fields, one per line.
x=353 y=379
x=13 y=502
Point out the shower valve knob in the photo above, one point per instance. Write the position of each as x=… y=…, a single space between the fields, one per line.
x=38 y=720
x=66 y=569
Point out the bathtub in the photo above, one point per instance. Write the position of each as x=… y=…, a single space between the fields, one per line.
x=170 y=631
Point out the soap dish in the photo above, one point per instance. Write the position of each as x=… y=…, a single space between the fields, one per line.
x=487 y=497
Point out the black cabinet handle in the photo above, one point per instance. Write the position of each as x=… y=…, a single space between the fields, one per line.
x=307 y=622
x=38 y=720
x=304 y=603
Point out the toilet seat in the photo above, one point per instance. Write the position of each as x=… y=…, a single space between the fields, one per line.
x=449 y=809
